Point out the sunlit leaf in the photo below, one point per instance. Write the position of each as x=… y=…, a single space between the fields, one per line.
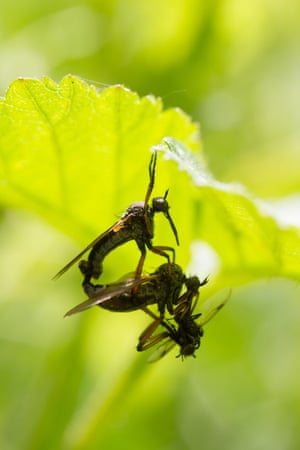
x=249 y=243
x=74 y=154
x=79 y=157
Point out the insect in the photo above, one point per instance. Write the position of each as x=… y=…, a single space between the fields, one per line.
x=182 y=329
x=137 y=223
x=162 y=287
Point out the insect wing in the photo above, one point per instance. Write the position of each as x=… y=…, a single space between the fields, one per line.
x=104 y=294
x=206 y=316
x=162 y=350
x=91 y=245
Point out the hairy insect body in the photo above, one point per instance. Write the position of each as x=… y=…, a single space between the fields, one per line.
x=181 y=329
x=162 y=287
x=187 y=335
x=130 y=227
x=137 y=223
x=131 y=301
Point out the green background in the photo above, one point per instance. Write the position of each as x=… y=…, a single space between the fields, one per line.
x=234 y=66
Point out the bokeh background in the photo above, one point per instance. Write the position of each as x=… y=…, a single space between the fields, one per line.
x=235 y=67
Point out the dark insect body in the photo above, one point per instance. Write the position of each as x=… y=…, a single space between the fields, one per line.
x=137 y=223
x=162 y=287
x=182 y=329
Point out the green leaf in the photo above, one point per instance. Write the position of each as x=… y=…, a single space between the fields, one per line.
x=249 y=243
x=79 y=157
x=76 y=156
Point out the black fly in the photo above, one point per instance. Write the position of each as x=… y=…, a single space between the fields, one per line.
x=135 y=224
x=182 y=329
x=162 y=287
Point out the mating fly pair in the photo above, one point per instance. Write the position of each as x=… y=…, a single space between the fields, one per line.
x=163 y=287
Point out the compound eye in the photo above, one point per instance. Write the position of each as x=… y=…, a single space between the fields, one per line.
x=160 y=204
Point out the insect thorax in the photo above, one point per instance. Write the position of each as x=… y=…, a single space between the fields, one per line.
x=139 y=221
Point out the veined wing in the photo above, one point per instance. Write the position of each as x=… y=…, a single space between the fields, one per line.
x=162 y=349
x=168 y=343
x=108 y=292
x=206 y=316
x=118 y=224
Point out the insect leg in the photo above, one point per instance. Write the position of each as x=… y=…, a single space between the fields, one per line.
x=149 y=312
x=139 y=268
x=152 y=166
x=161 y=250
x=147 y=340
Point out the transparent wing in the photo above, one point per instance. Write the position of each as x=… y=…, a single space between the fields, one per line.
x=216 y=303
x=164 y=348
x=91 y=245
x=105 y=293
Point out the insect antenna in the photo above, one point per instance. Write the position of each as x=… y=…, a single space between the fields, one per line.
x=169 y=218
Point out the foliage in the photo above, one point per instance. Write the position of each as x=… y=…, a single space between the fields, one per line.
x=233 y=66
x=72 y=155
x=90 y=146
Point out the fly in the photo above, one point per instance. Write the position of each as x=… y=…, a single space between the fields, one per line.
x=137 y=223
x=162 y=287
x=182 y=329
